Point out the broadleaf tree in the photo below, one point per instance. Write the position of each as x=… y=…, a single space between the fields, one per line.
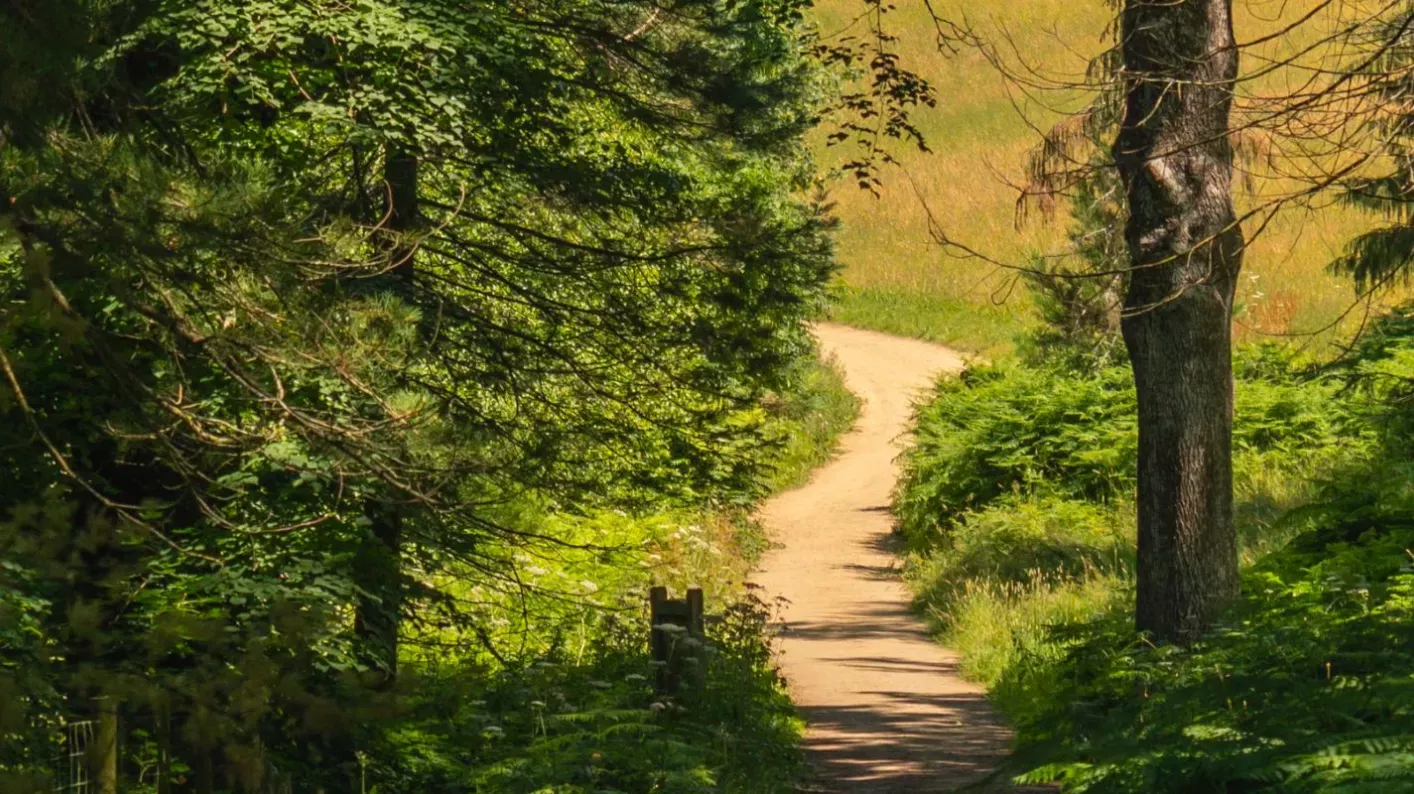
x=299 y=291
x=1175 y=160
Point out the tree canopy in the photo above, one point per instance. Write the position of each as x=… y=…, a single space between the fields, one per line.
x=298 y=292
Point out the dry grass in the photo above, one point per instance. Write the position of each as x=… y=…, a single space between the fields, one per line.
x=896 y=278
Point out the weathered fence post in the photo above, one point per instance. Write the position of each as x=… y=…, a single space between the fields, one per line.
x=164 y=747
x=103 y=751
x=673 y=622
x=205 y=771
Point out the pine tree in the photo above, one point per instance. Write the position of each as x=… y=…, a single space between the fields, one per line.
x=256 y=410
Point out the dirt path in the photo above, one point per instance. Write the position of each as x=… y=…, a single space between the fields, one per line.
x=886 y=708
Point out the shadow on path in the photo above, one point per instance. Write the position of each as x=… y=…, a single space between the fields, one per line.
x=886 y=708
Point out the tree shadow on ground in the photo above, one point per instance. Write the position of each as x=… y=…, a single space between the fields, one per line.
x=906 y=742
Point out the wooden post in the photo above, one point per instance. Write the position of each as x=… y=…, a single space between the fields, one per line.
x=695 y=626
x=103 y=751
x=164 y=747
x=661 y=642
x=205 y=771
x=672 y=655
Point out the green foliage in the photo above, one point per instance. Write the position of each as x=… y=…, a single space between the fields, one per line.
x=808 y=419
x=1079 y=297
x=1011 y=570
x=322 y=320
x=1005 y=428
x=1013 y=429
x=589 y=721
x=997 y=625
x=1302 y=685
x=1379 y=259
x=1020 y=540
x=1301 y=688
x=555 y=691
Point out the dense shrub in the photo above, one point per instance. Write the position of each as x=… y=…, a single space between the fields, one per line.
x=1003 y=429
x=1007 y=428
x=543 y=684
x=302 y=298
x=808 y=419
x=1302 y=687
x=573 y=721
x=555 y=693
x=1019 y=540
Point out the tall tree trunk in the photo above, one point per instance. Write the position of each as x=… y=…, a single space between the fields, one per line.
x=1173 y=153
x=400 y=173
x=378 y=567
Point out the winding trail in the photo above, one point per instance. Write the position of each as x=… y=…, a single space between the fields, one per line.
x=886 y=708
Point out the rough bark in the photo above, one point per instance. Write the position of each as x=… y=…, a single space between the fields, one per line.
x=378 y=567
x=1174 y=156
x=400 y=174
x=379 y=573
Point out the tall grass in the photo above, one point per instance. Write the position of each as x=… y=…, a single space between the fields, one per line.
x=1016 y=495
x=809 y=421
x=994 y=625
x=897 y=279
x=984 y=328
x=1023 y=553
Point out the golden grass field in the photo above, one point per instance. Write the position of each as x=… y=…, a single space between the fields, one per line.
x=895 y=278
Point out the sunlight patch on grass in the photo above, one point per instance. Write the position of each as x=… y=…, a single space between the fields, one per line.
x=981 y=133
x=933 y=315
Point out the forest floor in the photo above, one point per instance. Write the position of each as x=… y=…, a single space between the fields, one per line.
x=886 y=708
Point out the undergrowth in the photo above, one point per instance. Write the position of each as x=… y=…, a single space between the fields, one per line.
x=554 y=693
x=1015 y=506
x=809 y=420
x=1009 y=429
x=573 y=720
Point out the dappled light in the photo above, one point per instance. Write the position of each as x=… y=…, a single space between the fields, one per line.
x=706 y=396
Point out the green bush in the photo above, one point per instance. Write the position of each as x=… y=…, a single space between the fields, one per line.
x=1006 y=428
x=1304 y=687
x=1003 y=429
x=808 y=420
x=553 y=691
x=1014 y=569
x=574 y=723
x=1015 y=504
x=1020 y=540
